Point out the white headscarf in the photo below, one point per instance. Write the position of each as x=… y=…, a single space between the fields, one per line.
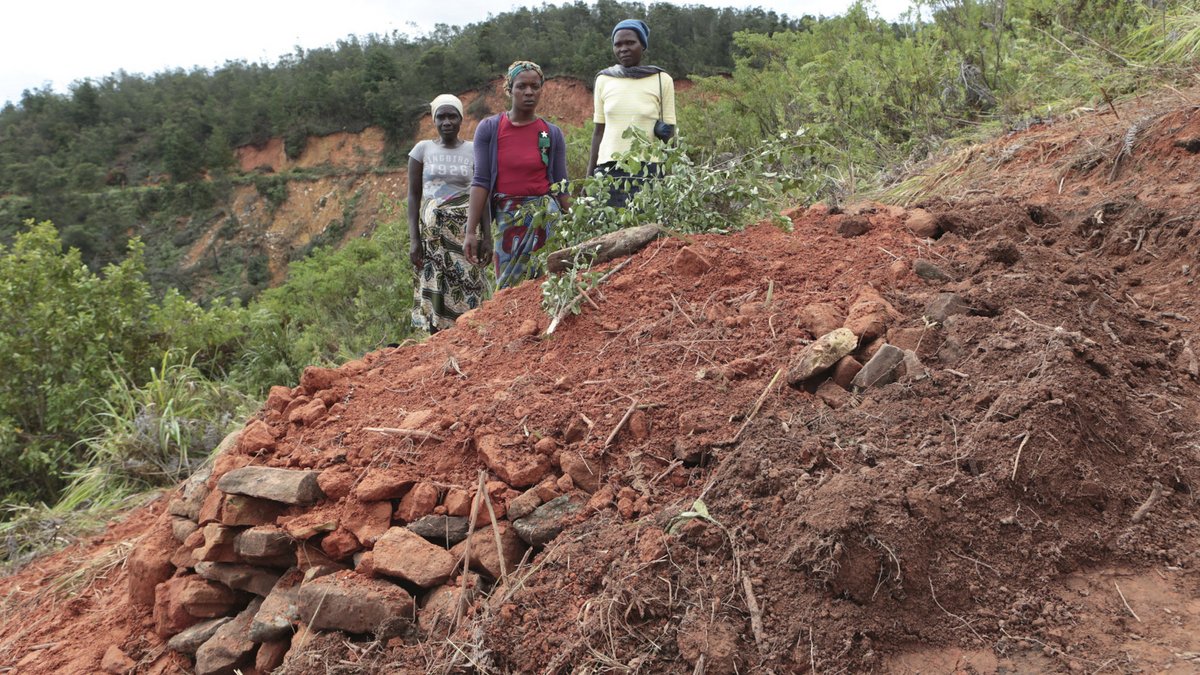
x=444 y=100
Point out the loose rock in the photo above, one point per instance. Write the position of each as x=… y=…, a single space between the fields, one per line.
x=380 y=484
x=256 y=436
x=116 y=661
x=279 y=610
x=923 y=224
x=255 y=580
x=690 y=263
x=229 y=648
x=929 y=272
x=584 y=474
x=149 y=564
x=405 y=554
x=484 y=556
x=517 y=466
x=844 y=371
x=881 y=369
x=820 y=318
x=281 y=485
x=188 y=641
x=524 y=505
x=441 y=530
x=351 y=603
x=548 y=520
x=419 y=502
x=853 y=226
x=946 y=305
x=821 y=355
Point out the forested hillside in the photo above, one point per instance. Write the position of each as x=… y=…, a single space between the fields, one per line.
x=64 y=157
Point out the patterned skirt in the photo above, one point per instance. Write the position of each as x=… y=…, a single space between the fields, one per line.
x=447 y=285
x=523 y=224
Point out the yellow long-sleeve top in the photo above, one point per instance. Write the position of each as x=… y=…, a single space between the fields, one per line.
x=622 y=102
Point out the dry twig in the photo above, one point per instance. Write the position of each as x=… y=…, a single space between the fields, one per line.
x=1017 y=458
x=620 y=425
x=1126 y=602
x=1155 y=495
x=407 y=433
x=757 y=405
x=756 y=624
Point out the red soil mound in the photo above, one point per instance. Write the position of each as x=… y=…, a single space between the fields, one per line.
x=1020 y=498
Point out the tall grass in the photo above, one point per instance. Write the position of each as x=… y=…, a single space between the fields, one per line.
x=150 y=436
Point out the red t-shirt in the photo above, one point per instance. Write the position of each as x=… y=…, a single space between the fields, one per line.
x=520 y=170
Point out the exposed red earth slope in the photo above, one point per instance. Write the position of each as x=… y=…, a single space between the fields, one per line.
x=1020 y=499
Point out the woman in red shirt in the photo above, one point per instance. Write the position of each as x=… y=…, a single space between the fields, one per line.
x=520 y=178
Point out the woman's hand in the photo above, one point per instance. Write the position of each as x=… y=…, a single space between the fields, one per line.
x=485 y=247
x=416 y=255
x=477 y=249
x=471 y=247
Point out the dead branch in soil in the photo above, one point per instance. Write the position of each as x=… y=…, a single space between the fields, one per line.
x=487 y=499
x=1017 y=458
x=757 y=405
x=407 y=433
x=964 y=622
x=620 y=425
x=562 y=313
x=1112 y=335
x=756 y=624
x=460 y=607
x=1155 y=495
x=675 y=301
x=1126 y=602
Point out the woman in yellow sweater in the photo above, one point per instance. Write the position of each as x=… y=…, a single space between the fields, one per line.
x=629 y=94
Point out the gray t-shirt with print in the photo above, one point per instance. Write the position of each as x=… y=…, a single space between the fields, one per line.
x=448 y=171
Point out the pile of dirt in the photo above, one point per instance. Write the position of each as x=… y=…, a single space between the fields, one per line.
x=995 y=472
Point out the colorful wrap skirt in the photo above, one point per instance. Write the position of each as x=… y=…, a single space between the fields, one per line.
x=447 y=285
x=523 y=224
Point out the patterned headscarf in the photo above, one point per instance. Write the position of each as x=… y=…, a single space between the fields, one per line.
x=516 y=69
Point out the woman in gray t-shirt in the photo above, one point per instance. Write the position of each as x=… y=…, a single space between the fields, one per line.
x=439 y=180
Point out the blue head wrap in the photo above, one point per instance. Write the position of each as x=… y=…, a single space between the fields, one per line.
x=637 y=26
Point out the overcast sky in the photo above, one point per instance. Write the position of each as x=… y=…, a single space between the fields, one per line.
x=56 y=42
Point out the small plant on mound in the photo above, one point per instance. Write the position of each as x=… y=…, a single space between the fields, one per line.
x=688 y=196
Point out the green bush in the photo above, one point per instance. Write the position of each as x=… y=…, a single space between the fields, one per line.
x=63 y=331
